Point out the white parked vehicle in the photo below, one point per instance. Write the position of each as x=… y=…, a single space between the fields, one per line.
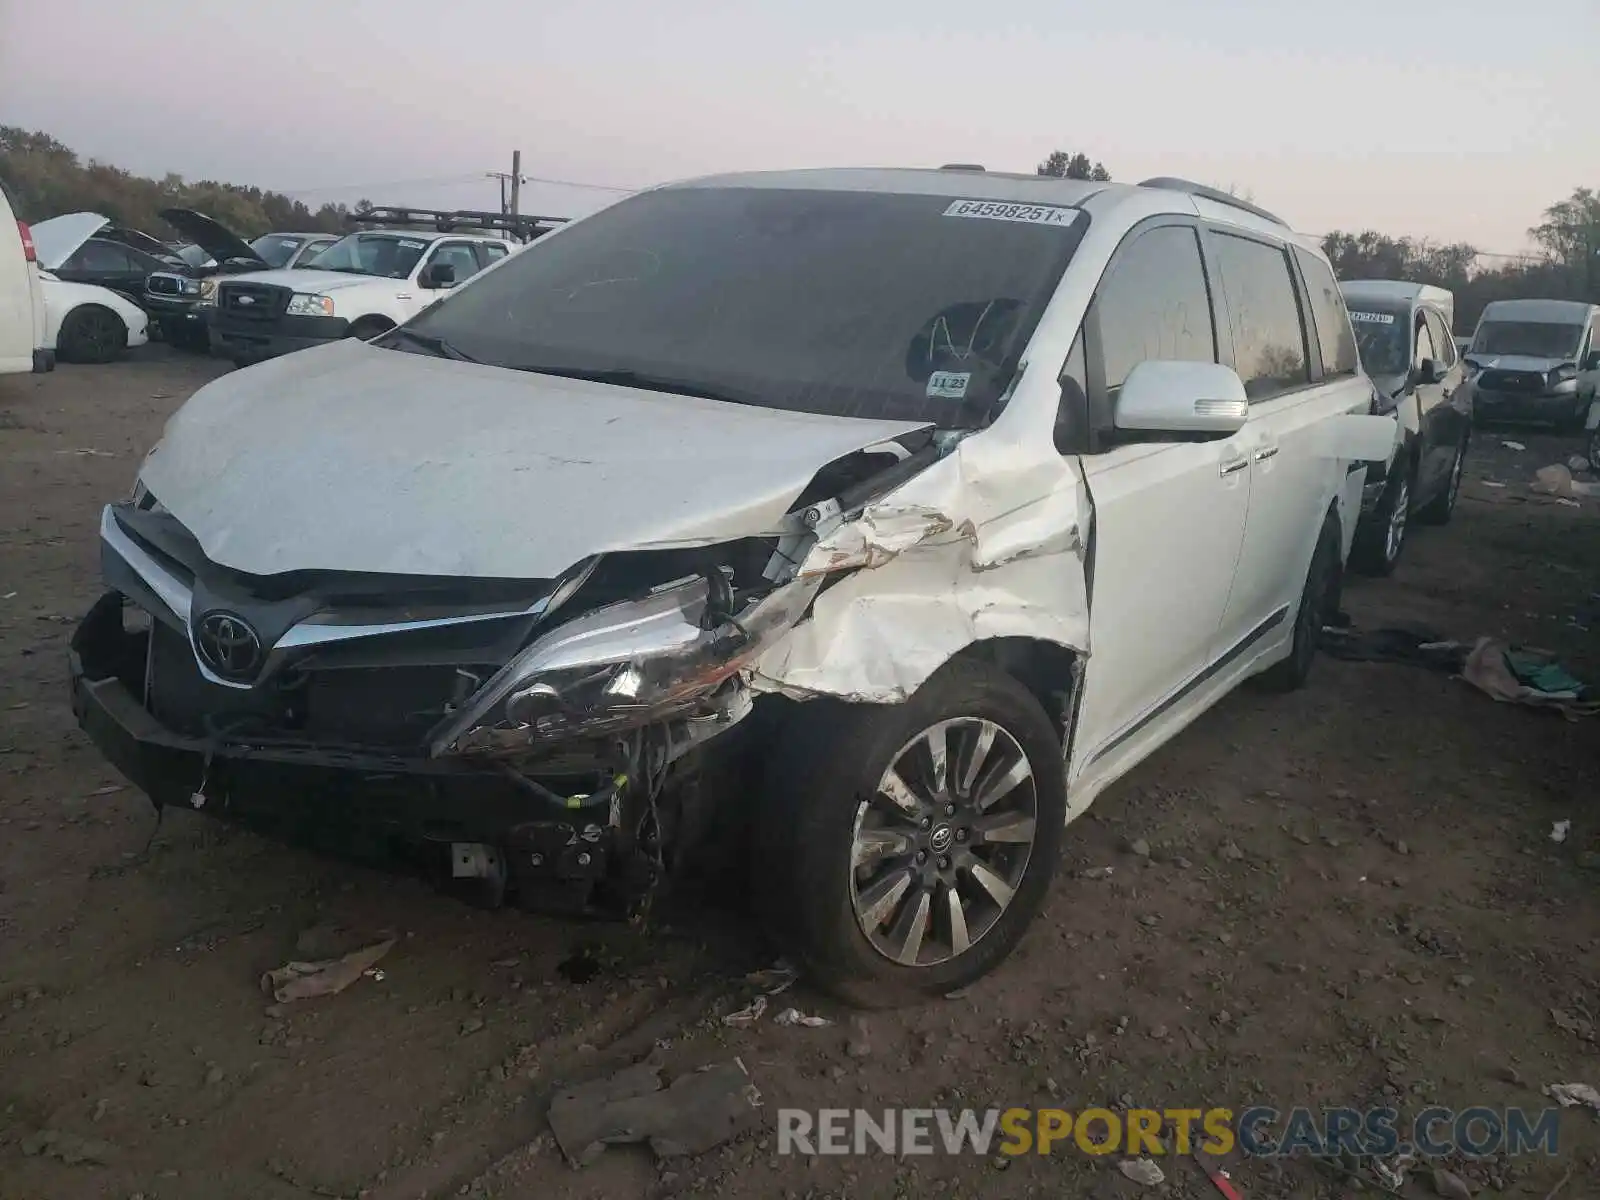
x=22 y=317
x=89 y=324
x=358 y=287
x=887 y=515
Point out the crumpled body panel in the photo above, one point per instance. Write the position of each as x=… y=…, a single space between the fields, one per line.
x=986 y=543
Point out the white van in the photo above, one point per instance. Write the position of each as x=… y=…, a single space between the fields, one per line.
x=21 y=298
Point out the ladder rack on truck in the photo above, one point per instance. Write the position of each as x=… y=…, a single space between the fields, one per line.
x=524 y=227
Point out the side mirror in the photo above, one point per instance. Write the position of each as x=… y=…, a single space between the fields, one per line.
x=439 y=275
x=1592 y=363
x=1428 y=371
x=1182 y=397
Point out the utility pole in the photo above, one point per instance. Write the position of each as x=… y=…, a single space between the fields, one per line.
x=516 y=179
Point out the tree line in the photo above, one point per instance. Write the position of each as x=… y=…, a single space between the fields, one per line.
x=1566 y=265
x=44 y=179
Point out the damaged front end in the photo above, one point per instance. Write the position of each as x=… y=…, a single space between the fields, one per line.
x=559 y=742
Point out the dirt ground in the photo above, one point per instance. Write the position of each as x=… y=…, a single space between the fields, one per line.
x=1350 y=897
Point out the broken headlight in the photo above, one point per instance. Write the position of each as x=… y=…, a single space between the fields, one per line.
x=624 y=665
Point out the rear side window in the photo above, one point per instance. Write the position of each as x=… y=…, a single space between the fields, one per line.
x=1334 y=337
x=1154 y=304
x=1269 y=341
x=494 y=251
x=1425 y=348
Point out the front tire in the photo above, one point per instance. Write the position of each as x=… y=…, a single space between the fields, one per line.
x=1319 y=600
x=904 y=849
x=1442 y=507
x=92 y=334
x=1382 y=536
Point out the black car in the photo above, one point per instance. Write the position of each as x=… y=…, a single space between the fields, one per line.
x=1407 y=349
x=179 y=297
x=90 y=248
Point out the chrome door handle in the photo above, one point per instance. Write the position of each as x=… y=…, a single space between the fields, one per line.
x=1234 y=467
x=1265 y=452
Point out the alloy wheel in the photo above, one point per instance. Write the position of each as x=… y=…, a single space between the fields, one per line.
x=1395 y=535
x=940 y=849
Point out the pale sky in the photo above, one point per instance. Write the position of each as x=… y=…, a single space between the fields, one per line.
x=1454 y=120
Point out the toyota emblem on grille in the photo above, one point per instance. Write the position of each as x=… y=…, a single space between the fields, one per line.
x=228 y=645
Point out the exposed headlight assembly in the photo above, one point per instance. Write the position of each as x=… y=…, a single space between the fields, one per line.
x=623 y=666
x=208 y=292
x=309 y=304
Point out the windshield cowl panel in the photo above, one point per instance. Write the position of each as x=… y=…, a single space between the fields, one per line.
x=858 y=304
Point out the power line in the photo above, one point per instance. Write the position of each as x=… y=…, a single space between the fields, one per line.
x=363 y=187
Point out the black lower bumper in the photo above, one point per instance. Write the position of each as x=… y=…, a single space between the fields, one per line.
x=255 y=340
x=1509 y=406
x=363 y=804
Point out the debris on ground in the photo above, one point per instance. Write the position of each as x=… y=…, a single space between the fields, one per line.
x=860 y=1043
x=1559 y=831
x=1143 y=1170
x=1098 y=872
x=1450 y=1185
x=793 y=1016
x=779 y=977
x=698 y=1112
x=582 y=965
x=1513 y=445
x=1578 y=463
x=1557 y=480
x=1518 y=675
x=1572 y=1095
x=748 y=1015
x=1220 y=1179
x=302 y=980
x=70 y=1148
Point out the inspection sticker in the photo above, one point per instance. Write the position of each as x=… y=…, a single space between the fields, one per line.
x=1028 y=214
x=949 y=385
x=1373 y=318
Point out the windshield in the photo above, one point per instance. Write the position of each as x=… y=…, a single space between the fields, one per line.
x=862 y=304
x=274 y=250
x=390 y=255
x=1384 y=340
x=1534 y=339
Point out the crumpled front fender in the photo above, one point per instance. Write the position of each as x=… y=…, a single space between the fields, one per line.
x=986 y=543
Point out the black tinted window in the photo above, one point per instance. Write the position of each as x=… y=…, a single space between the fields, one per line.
x=1153 y=304
x=1269 y=345
x=871 y=304
x=1337 y=342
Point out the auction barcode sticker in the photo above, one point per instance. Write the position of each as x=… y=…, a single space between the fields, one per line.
x=1373 y=318
x=1028 y=214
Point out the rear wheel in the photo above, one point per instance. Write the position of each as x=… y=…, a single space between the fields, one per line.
x=1319 y=600
x=905 y=848
x=91 y=334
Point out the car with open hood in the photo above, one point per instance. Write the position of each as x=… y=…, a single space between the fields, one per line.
x=1535 y=360
x=870 y=522
x=1403 y=331
x=88 y=324
x=181 y=300
x=90 y=248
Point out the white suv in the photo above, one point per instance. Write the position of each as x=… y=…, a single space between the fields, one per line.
x=886 y=516
x=23 y=333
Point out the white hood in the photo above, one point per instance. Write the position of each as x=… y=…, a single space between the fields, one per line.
x=301 y=279
x=58 y=239
x=352 y=458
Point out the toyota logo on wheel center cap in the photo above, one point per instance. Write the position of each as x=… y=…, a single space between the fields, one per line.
x=228 y=645
x=941 y=838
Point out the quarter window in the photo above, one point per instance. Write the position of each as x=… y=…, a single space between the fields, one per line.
x=1269 y=341
x=1444 y=345
x=1334 y=336
x=494 y=251
x=460 y=256
x=1424 y=350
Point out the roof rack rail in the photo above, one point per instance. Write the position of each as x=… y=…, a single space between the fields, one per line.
x=1173 y=184
x=524 y=226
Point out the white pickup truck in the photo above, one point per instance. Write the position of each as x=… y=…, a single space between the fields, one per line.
x=363 y=284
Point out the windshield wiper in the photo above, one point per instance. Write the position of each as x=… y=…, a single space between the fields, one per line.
x=429 y=341
x=639 y=379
